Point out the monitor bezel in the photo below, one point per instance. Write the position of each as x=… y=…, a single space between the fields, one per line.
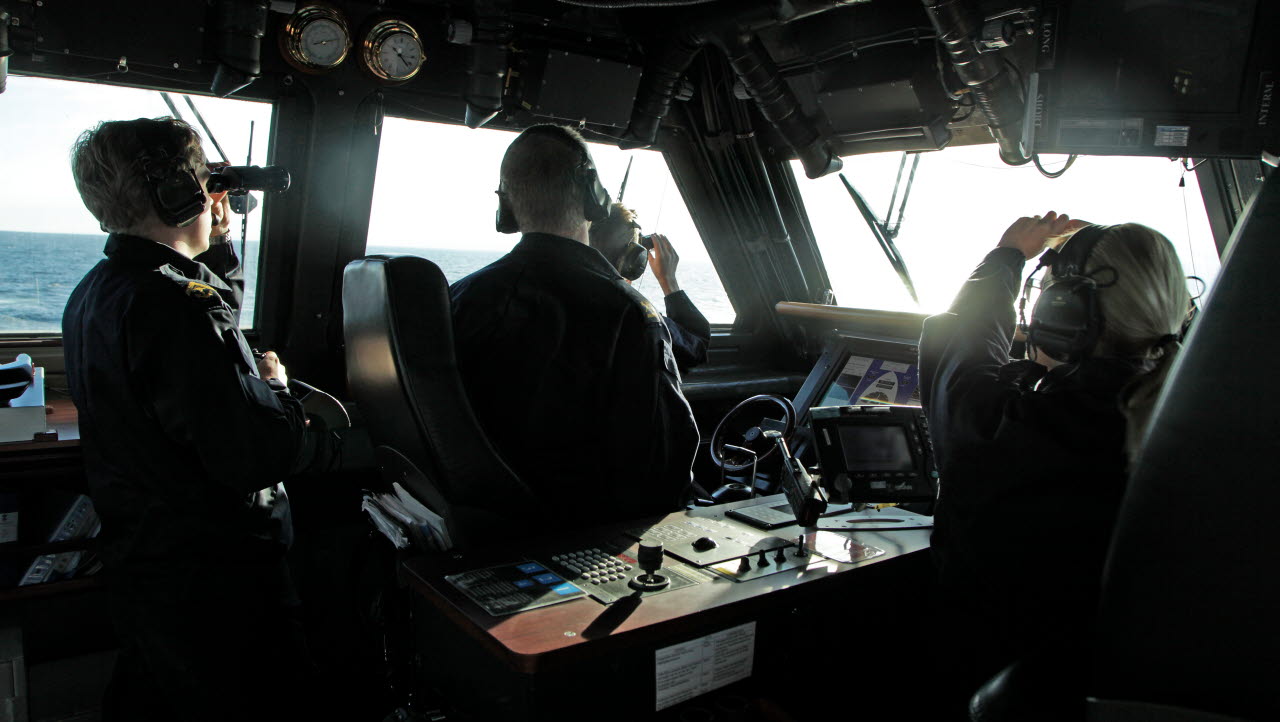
x=836 y=353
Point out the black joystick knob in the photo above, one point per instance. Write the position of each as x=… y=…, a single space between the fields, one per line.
x=649 y=558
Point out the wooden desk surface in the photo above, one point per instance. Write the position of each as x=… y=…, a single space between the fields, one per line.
x=571 y=631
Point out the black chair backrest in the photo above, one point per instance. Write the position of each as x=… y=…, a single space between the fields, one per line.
x=1190 y=610
x=404 y=377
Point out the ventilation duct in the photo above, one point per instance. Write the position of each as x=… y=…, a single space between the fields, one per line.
x=755 y=69
x=993 y=90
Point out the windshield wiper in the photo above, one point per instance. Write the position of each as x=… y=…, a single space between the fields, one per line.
x=883 y=235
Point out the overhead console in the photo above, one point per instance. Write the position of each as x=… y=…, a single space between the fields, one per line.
x=1155 y=79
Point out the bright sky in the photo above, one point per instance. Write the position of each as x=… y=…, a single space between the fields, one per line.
x=40 y=119
x=962 y=201
x=435 y=190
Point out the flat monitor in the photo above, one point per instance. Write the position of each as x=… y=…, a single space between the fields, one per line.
x=862 y=370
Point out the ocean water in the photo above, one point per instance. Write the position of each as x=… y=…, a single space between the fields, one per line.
x=38 y=272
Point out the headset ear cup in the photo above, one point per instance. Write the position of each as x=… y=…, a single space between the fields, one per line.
x=178 y=197
x=633 y=262
x=505 y=218
x=1066 y=321
x=596 y=203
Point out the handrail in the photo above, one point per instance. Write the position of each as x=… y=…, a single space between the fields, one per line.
x=841 y=314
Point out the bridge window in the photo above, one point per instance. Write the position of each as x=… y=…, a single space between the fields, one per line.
x=961 y=202
x=434 y=198
x=48 y=240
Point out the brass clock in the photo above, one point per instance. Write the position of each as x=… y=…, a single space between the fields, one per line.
x=392 y=51
x=316 y=39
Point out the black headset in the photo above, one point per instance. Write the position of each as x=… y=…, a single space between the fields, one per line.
x=1067 y=320
x=176 y=192
x=596 y=203
x=634 y=257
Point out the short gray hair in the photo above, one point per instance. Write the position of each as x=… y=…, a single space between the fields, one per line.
x=538 y=180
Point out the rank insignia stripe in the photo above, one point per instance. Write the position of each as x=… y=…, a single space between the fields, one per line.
x=200 y=290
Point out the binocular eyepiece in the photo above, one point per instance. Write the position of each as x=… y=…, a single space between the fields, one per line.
x=240 y=179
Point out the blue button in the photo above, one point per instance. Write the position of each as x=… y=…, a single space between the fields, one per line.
x=565 y=590
x=548 y=578
x=523 y=583
x=531 y=568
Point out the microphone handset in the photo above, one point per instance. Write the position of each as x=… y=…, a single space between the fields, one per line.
x=807 y=500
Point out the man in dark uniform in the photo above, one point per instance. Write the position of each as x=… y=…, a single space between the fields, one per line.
x=569 y=369
x=618 y=239
x=185 y=439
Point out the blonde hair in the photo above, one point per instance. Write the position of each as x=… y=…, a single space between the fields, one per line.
x=1143 y=299
x=108 y=169
x=612 y=235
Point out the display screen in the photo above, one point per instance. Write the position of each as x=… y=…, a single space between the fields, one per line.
x=875 y=448
x=865 y=380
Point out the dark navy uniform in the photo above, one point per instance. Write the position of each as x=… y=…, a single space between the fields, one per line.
x=571 y=373
x=184 y=449
x=690 y=332
x=1032 y=471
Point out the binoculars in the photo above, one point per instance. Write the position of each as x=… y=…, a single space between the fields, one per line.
x=240 y=179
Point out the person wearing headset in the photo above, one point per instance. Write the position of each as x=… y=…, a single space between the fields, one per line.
x=185 y=439
x=570 y=370
x=618 y=239
x=1033 y=453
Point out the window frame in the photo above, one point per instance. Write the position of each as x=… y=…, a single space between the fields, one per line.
x=35 y=343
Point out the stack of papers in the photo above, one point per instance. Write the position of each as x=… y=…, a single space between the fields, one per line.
x=405 y=521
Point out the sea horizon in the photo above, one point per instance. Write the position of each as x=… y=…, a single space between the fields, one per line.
x=39 y=270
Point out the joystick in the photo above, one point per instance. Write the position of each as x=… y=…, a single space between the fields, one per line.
x=649 y=558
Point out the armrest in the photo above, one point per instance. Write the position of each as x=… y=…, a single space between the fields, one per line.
x=1048 y=690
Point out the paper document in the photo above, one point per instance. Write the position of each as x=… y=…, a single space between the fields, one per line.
x=687 y=670
x=424 y=515
x=384 y=524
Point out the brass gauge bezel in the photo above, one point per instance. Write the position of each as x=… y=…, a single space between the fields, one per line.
x=294 y=51
x=377 y=36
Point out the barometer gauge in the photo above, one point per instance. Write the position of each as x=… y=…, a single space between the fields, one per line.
x=316 y=39
x=392 y=51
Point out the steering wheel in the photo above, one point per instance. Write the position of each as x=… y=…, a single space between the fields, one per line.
x=744 y=427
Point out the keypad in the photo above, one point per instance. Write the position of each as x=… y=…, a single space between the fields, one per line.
x=592 y=566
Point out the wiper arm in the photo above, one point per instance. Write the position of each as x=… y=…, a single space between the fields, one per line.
x=883 y=237
x=173 y=109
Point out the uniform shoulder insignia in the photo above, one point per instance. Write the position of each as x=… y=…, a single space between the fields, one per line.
x=650 y=312
x=195 y=289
